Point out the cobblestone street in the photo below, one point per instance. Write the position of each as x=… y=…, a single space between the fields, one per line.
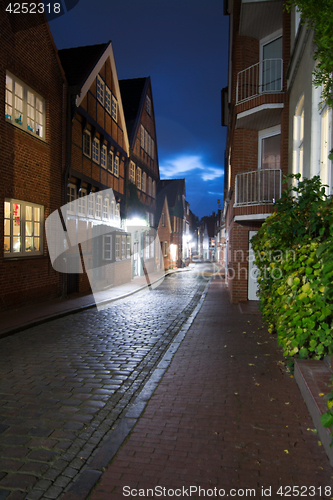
x=65 y=384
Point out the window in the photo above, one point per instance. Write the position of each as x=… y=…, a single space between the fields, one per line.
x=117 y=210
x=82 y=203
x=98 y=207
x=91 y=205
x=112 y=210
x=142 y=136
x=23 y=226
x=128 y=246
x=116 y=166
x=123 y=246
x=132 y=172
x=95 y=150
x=118 y=247
x=100 y=90
x=87 y=143
x=298 y=137
x=138 y=177
x=143 y=186
x=114 y=109
x=110 y=162
x=149 y=186
x=147 y=246
x=165 y=249
x=107 y=99
x=148 y=105
x=107 y=247
x=163 y=219
x=147 y=142
x=154 y=189
x=152 y=247
x=106 y=209
x=24 y=107
x=71 y=197
x=103 y=156
x=269 y=151
x=271 y=57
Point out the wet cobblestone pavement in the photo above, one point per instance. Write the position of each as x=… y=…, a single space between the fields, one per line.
x=66 y=383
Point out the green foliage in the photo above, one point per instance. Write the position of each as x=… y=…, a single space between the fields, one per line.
x=318 y=15
x=294 y=255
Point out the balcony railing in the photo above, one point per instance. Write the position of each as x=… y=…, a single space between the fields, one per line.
x=263 y=77
x=259 y=187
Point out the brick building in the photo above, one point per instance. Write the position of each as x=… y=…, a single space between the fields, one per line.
x=32 y=92
x=255 y=110
x=96 y=170
x=142 y=173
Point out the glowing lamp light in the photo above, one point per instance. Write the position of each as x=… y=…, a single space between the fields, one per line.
x=173 y=251
x=136 y=222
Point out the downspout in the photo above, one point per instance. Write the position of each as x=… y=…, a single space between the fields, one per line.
x=71 y=111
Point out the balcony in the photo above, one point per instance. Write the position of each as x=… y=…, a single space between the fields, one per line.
x=260 y=187
x=260 y=78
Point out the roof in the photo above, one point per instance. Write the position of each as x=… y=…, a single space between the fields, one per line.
x=132 y=94
x=79 y=62
x=173 y=189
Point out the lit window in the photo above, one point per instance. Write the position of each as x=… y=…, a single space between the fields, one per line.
x=148 y=105
x=106 y=209
x=91 y=205
x=82 y=203
x=107 y=247
x=110 y=162
x=116 y=166
x=103 y=156
x=98 y=207
x=71 y=197
x=138 y=177
x=123 y=246
x=114 y=109
x=95 y=150
x=87 y=143
x=23 y=228
x=132 y=172
x=118 y=247
x=100 y=90
x=24 y=107
x=108 y=99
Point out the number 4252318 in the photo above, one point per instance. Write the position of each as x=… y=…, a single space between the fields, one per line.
x=33 y=8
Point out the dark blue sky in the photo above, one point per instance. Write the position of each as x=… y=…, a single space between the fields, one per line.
x=183 y=46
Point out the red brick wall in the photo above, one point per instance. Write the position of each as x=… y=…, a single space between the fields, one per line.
x=31 y=169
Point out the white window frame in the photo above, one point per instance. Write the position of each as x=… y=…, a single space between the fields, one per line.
x=86 y=143
x=107 y=247
x=71 y=197
x=103 y=156
x=16 y=104
x=100 y=89
x=112 y=209
x=114 y=109
x=98 y=206
x=37 y=228
x=128 y=246
x=82 y=202
x=265 y=41
x=116 y=166
x=108 y=99
x=264 y=134
x=96 y=150
x=117 y=211
x=138 y=177
x=132 y=172
x=118 y=247
x=91 y=205
x=105 y=209
x=110 y=161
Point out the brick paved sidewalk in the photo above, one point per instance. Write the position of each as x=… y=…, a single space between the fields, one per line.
x=226 y=415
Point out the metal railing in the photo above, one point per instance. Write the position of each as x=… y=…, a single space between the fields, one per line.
x=262 y=77
x=258 y=187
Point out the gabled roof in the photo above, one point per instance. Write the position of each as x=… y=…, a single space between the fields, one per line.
x=81 y=66
x=79 y=62
x=174 y=189
x=160 y=201
x=133 y=92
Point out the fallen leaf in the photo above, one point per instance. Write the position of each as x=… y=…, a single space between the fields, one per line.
x=251 y=364
x=286 y=403
x=319 y=443
x=321 y=394
x=257 y=383
x=286 y=451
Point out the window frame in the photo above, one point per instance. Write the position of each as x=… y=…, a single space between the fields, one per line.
x=265 y=134
x=23 y=229
x=85 y=135
x=107 y=242
x=132 y=172
x=93 y=150
x=100 y=90
x=114 y=108
x=138 y=177
x=103 y=156
x=26 y=89
x=116 y=166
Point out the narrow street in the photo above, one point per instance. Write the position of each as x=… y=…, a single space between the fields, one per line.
x=65 y=384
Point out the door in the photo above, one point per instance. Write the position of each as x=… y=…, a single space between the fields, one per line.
x=252 y=283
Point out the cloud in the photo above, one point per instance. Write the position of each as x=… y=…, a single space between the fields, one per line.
x=194 y=164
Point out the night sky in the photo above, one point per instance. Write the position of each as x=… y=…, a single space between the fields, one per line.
x=183 y=46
